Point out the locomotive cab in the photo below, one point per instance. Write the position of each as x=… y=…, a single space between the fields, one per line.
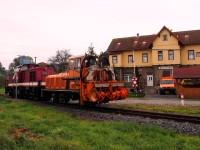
x=98 y=84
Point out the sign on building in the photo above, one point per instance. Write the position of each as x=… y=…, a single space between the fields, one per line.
x=165 y=67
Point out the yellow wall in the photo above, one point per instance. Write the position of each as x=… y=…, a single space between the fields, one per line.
x=119 y=60
x=125 y=59
x=138 y=58
x=171 y=43
x=160 y=45
x=165 y=60
x=184 y=55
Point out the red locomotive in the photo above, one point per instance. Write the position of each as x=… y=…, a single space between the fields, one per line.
x=93 y=83
x=27 y=80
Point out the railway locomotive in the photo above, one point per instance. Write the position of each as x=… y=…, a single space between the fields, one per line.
x=27 y=80
x=93 y=83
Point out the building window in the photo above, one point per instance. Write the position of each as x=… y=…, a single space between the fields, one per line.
x=144 y=57
x=127 y=77
x=197 y=54
x=190 y=54
x=160 y=55
x=114 y=59
x=130 y=59
x=170 y=55
x=164 y=37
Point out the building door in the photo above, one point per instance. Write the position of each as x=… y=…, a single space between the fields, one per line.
x=149 y=80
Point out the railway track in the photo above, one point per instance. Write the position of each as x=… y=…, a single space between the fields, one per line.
x=154 y=115
x=149 y=114
x=142 y=113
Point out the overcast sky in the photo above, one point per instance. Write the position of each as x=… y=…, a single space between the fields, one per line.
x=40 y=27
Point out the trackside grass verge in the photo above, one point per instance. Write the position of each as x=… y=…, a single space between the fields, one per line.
x=138 y=95
x=187 y=110
x=27 y=126
x=2 y=90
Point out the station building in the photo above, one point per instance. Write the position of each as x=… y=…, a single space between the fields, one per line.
x=155 y=55
x=75 y=62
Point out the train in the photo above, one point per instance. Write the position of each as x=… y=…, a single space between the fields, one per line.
x=94 y=83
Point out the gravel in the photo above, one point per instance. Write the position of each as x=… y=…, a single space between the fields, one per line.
x=179 y=127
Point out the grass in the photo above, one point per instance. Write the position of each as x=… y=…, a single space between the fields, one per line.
x=187 y=110
x=24 y=125
x=131 y=94
x=2 y=90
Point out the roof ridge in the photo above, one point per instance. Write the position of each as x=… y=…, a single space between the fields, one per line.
x=134 y=36
x=187 y=31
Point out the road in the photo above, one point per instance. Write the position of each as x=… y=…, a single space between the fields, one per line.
x=160 y=100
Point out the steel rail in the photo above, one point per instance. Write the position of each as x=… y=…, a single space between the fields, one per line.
x=142 y=113
x=150 y=114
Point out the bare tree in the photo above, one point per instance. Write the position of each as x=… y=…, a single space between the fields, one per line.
x=60 y=61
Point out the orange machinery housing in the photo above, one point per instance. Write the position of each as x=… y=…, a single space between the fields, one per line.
x=57 y=81
x=62 y=87
x=94 y=83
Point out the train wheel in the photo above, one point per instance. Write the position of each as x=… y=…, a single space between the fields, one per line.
x=90 y=104
x=54 y=99
x=64 y=98
x=67 y=99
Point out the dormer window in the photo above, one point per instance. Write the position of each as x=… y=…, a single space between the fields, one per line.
x=144 y=42
x=186 y=36
x=164 y=37
x=135 y=43
x=117 y=45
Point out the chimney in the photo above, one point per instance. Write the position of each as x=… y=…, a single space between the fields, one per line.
x=138 y=35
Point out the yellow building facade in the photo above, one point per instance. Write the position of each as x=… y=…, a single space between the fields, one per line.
x=154 y=55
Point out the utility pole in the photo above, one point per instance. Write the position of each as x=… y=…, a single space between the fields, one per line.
x=134 y=63
x=16 y=80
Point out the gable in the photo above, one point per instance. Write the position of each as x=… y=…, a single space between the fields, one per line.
x=165 y=40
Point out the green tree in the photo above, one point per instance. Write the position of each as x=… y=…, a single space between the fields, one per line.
x=140 y=82
x=2 y=75
x=91 y=51
x=20 y=60
x=104 y=59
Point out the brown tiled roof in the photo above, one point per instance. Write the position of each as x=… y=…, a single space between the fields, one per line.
x=131 y=43
x=188 y=37
x=187 y=72
x=146 y=41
